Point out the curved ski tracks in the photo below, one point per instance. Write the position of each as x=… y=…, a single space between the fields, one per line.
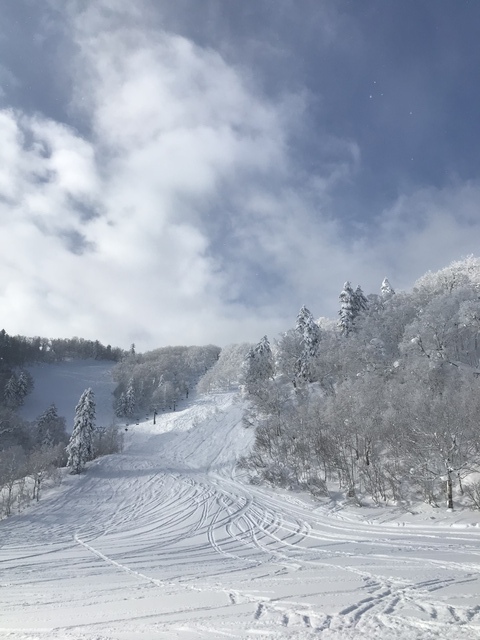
x=206 y=556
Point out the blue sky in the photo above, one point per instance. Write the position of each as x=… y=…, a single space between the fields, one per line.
x=191 y=172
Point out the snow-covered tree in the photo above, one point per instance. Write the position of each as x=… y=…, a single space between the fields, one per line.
x=80 y=447
x=386 y=289
x=10 y=392
x=361 y=301
x=16 y=388
x=12 y=467
x=127 y=401
x=161 y=377
x=130 y=399
x=120 y=405
x=348 y=309
x=352 y=304
x=309 y=333
x=288 y=352
x=225 y=373
x=50 y=427
x=41 y=464
x=258 y=366
x=108 y=440
x=354 y=425
x=458 y=274
x=25 y=383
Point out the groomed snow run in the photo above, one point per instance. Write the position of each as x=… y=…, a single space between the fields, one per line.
x=165 y=541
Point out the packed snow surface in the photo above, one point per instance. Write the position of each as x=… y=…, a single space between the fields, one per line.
x=166 y=541
x=63 y=383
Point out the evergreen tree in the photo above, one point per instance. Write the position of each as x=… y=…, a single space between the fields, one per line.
x=16 y=388
x=121 y=405
x=127 y=401
x=309 y=333
x=130 y=399
x=348 y=309
x=10 y=392
x=352 y=303
x=80 y=447
x=50 y=427
x=258 y=366
x=386 y=289
x=361 y=302
x=22 y=387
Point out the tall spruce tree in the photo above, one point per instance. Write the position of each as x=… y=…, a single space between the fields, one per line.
x=309 y=333
x=80 y=447
x=11 y=392
x=352 y=303
x=50 y=427
x=130 y=399
x=361 y=301
x=348 y=309
x=386 y=289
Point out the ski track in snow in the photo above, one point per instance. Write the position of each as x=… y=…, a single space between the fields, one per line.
x=166 y=541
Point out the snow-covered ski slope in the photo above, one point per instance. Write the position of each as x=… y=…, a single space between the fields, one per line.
x=166 y=541
x=63 y=383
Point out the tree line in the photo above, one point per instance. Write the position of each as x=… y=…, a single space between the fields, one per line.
x=158 y=380
x=16 y=351
x=31 y=451
x=384 y=401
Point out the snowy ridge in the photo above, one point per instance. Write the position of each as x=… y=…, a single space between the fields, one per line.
x=166 y=541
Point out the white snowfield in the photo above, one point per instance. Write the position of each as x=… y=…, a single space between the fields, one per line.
x=165 y=541
x=63 y=383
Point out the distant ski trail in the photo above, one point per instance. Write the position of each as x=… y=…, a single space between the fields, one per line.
x=165 y=541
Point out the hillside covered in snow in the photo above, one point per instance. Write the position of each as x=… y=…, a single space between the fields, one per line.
x=167 y=541
x=321 y=484
x=62 y=384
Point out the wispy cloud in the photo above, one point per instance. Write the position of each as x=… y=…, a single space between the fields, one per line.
x=178 y=210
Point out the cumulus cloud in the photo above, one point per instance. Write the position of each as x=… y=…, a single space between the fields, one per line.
x=428 y=228
x=176 y=212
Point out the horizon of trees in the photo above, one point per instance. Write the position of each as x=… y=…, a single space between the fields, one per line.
x=157 y=380
x=385 y=402
x=17 y=351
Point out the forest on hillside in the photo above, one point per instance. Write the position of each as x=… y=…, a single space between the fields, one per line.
x=32 y=451
x=384 y=401
x=158 y=380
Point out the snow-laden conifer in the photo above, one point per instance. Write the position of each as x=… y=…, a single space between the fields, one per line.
x=386 y=289
x=11 y=392
x=352 y=303
x=309 y=333
x=50 y=427
x=80 y=447
x=258 y=365
x=361 y=301
x=348 y=309
x=130 y=399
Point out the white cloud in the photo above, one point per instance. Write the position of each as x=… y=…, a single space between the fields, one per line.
x=179 y=214
x=169 y=121
x=429 y=228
